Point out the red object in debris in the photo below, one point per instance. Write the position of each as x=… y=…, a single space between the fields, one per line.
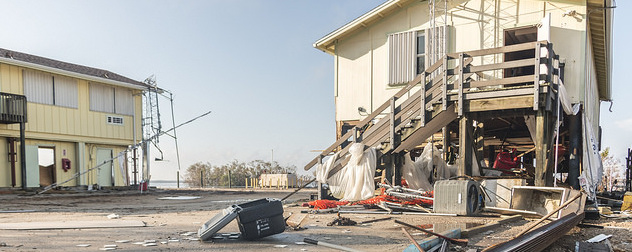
x=142 y=186
x=505 y=161
x=324 y=204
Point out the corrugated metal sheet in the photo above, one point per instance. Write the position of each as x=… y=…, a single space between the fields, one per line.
x=124 y=102
x=101 y=98
x=38 y=87
x=66 y=93
x=402 y=56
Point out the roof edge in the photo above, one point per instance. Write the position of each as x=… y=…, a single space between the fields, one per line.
x=10 y=61
x=325 y=42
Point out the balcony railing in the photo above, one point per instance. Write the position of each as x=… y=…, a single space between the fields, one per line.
x=12 y=108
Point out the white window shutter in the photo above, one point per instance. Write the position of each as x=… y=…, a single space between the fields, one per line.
x=38 y=87
x=402 y=57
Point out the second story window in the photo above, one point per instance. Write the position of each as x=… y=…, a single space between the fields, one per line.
x=406 y=56
x=421 y=52
x=110 y=99
x=45 y=88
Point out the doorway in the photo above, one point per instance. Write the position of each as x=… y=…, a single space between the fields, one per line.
x=104 y=175
x=46 y=162
x=519 y=36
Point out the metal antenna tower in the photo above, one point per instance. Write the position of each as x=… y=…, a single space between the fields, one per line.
x=151 y=116
x=437 y=40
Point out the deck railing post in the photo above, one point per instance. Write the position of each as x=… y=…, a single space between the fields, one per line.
x=460 y=83
x=422 y=101
x=392 y=124
x=536 y=77
x=444 y=89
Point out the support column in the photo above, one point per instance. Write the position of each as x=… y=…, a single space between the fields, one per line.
x=465 y=147
x=446 y=143
x=575 y=146
x=396 y=167
x=543 y=175
x=22 y=155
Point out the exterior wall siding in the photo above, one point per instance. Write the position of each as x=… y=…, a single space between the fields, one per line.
x=362 y=58
x=66 y=129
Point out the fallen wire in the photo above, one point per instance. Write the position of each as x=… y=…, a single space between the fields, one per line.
x=51 y=186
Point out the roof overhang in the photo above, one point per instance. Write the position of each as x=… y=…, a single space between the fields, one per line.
x=600 y=28
x=328 y=42
x=20 y=63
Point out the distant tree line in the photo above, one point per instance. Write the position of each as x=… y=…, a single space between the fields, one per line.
x=233 y=173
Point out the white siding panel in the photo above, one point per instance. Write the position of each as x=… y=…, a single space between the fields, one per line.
x=66 y=92
x=101 y=98
x=38 y=87
x=401 y=57
x=124 y=101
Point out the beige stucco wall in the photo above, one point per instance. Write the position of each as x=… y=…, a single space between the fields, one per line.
x=361 y=60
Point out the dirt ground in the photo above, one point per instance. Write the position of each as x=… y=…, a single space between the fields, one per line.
x=173 y=224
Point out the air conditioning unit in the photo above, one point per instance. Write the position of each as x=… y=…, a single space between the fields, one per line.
x=461 y=197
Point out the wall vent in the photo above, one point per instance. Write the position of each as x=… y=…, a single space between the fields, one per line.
x=116 y=120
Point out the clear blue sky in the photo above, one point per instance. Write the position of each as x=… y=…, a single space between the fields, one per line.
x=250 y=62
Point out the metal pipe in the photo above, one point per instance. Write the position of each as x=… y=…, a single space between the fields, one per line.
x=329 y=245
x=461 y=242
x=412 y=240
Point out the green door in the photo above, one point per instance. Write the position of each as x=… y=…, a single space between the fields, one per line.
x=105 y=171
x=32 y=166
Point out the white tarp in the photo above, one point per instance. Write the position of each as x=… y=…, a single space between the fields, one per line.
x=417 y=173
x=565 y=101
x=355 y=181
x=592 y=166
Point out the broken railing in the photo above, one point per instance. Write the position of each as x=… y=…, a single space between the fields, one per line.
x=451 y=87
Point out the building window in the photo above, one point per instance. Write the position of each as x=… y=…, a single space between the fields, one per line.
x=407 y=56
x=421 y=52
x=105 y=98
x=44 y=88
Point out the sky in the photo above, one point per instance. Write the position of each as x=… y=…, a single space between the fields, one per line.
x=250 y=62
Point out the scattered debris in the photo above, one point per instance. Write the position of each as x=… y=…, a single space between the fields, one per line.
x=329 y=245
x=180 y=198
x=374 y=220
x=598 y=238
x=342 y=221
x=295 y=220
x=71 y=225
x=410 y=237
x=462 y=242
x=256 y=219
x=113 y=216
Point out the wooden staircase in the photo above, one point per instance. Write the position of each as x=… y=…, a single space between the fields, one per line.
x=451 y=88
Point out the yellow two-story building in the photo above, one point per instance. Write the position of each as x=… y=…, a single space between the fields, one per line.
x=73 y=118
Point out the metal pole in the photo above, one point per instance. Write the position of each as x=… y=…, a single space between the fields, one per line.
x=175 y=136
x=22 y=155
